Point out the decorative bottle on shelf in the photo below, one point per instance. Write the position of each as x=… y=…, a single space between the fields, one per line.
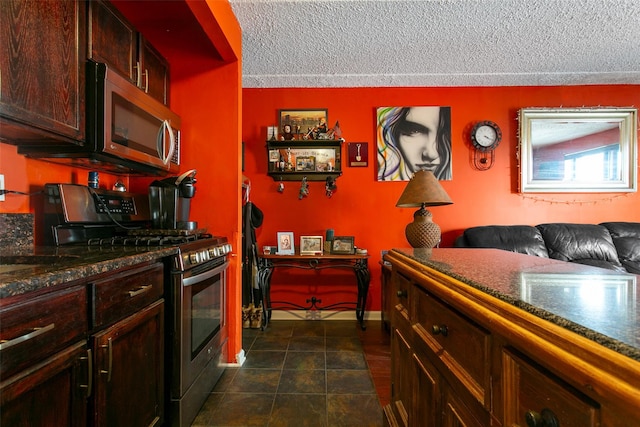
x=281 y=164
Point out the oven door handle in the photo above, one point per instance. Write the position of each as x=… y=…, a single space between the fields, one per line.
x=188 y=281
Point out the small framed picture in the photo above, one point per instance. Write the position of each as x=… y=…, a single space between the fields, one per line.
x=272 y=133
x=311 y=245
x=306 y=163
x=343 y=245
x=285 y=243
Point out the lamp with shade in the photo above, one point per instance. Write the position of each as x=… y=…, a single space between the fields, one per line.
x=423 y=190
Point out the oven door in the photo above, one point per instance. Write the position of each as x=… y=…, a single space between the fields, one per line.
x=198 y=319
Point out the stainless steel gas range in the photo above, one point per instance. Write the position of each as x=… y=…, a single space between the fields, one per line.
x=195 y=288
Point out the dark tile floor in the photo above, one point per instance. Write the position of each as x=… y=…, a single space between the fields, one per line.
x=305 y=373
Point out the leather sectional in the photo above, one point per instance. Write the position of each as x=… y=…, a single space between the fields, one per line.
x=610 y=245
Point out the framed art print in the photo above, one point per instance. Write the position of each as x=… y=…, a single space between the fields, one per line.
x=302 y=121
x=358 y=154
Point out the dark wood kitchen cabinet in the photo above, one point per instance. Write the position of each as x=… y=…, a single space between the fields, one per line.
x=42 y=67
x=128 y=342
x=129 y=370
x=44 y=360
x=90 y=354
x=116 y=42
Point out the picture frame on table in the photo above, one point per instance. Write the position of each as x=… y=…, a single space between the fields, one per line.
x=311 y=245
x=285 y=243
x=343 y=245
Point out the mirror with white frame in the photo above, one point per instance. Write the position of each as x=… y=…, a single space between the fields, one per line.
x=574 y=150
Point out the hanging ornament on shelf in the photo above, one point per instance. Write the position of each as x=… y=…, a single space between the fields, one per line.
x=304 y=189
x=330 y=186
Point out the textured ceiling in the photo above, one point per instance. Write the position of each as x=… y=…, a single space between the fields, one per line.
x=359 y=43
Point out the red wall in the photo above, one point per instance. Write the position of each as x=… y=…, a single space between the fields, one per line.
x=365 y=208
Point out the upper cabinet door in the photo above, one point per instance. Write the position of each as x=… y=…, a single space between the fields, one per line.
x=116 y=42
x=42 y=62
x=112 y=39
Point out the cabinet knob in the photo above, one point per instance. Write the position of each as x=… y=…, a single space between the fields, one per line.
x=402 y=293
x=546 y=418
x=440 y=330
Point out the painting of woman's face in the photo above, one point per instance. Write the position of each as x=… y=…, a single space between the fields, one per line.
x=417 y=138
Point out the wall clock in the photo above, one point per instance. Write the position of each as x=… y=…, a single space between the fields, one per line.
x=485 y=137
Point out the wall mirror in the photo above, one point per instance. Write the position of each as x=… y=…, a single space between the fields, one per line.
x=578 y=150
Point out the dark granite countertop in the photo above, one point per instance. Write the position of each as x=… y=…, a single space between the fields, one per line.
x=76 y=262
x=601 y=305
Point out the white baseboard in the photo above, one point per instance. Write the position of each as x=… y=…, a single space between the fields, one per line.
x=240 y=359
x=321 y=315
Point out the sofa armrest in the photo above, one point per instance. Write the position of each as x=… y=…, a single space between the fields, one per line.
x=626 y=238
x=582 y=243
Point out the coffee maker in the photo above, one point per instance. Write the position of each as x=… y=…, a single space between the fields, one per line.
x=170 y=202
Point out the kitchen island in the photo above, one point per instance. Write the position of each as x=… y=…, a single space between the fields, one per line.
x=488 y=337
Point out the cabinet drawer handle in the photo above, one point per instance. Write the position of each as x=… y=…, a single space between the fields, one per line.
x=402 y=294
x=35 y=332
x=89 y=384
x=546 y=418
x=142 y=290
x=109 y=348
x=440 y=330
x=146 y=80
x=154 y=422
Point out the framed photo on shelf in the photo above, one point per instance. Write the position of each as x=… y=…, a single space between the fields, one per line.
x=301 y=121
x=285 y=243
x=305 y=163
x=343 y=245
x=311 y=245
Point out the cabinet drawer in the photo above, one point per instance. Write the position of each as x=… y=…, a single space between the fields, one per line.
x=125 y=293
x=532 y=392
x=39 y=327
x=400 y=294
x=462 y=345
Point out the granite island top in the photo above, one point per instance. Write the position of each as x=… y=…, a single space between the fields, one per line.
x=599 y=304
x=76 y=262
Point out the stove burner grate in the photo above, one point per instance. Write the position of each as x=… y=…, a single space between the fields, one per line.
x=142 y=240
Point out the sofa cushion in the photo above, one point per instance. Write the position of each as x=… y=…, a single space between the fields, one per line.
x=582 y=243
x=626 y=238
x=523 y=239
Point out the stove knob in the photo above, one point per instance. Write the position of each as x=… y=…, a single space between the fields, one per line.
x=205 y=255
x=216 y=251
x=194 y=257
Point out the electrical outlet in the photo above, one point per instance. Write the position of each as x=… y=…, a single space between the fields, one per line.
x=1 y=187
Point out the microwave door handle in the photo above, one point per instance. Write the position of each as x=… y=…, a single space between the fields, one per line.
x=164 y=128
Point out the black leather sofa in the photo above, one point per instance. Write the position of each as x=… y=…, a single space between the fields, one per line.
x=610 y=245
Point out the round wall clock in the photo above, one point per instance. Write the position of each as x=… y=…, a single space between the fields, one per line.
x=485 y=137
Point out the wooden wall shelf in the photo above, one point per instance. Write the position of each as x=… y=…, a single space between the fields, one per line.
x=294 y=160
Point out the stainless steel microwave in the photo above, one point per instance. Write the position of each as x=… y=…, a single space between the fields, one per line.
x=127 y=131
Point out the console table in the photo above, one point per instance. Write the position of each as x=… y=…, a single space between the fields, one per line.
x=356 y=263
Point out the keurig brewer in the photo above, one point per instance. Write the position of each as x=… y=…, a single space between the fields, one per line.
x=170 y=202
